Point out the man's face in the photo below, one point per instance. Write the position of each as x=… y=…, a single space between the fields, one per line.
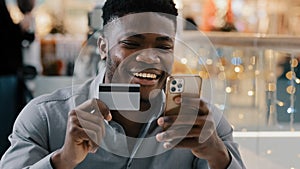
x=140 y=51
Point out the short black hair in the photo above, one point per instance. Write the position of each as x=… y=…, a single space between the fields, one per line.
x=117 y=8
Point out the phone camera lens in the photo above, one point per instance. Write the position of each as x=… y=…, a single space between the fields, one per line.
x=173 y=89
x=174 y=82
x=179 y=85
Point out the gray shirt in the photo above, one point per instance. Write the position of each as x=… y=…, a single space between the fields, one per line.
x=40 y=130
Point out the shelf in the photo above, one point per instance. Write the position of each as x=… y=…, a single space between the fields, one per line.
x=278 y=42
x=267 y=134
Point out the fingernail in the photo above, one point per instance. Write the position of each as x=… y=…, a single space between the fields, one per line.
x=160 y=121
x=93 y=150
x=159 y=137
x=167 y=145
x=109 y=116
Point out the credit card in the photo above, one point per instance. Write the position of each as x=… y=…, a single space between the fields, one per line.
x=119 y=96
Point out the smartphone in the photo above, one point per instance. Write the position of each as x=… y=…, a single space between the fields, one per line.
x=187 y=85
x=119 y=96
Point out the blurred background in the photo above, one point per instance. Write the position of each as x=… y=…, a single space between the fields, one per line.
x=257 y=47
x=251 y=16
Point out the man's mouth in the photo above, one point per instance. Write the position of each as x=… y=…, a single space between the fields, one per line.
x=146 y=78
x=150 y=76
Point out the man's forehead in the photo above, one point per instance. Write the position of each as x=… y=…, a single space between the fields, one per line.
x=142 y=23
x=159 y=37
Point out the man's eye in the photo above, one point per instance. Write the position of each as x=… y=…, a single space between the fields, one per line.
x=129 y=44
x=165 y=47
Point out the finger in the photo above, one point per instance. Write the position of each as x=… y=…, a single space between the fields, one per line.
x=188 y=143
x=87 y=138
x=185 y=143
x=95 y=106
x=78 y=134
x=205 y=135
x=77 y=127
x=99 y=128
x=88 y=105
x=94 y=137
x=92 y=117
x=96 y=118
x=177 y=133
x=88 y=146
x=93 y=149
x=173 y=111
x=193 y=106
x=168 y=121
x=73 y=120
x=104 y=110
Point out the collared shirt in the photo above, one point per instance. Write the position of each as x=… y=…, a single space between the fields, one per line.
x=40 y=130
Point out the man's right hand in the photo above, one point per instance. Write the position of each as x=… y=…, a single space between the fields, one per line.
x=85 y=130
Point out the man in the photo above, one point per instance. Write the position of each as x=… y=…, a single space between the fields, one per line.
x=137 y=46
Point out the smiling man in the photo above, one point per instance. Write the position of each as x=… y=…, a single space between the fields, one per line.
x=137 y=46
x=139 y=53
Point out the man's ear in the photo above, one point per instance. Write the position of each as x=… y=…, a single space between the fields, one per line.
x=103 y=47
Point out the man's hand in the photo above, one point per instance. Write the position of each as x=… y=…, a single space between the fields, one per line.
x=193 y=128
x=85 y=130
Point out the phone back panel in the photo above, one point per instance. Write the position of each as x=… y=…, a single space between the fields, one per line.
x=181 y=85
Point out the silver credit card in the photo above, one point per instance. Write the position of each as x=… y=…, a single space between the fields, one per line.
x=119 y=96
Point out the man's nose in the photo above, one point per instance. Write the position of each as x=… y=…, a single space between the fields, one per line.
x=148 y=56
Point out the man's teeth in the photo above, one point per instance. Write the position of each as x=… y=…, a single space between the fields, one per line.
x=145 y=75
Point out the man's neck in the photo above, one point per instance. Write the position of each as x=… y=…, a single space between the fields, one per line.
x=132 y=121
x=132 y=129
